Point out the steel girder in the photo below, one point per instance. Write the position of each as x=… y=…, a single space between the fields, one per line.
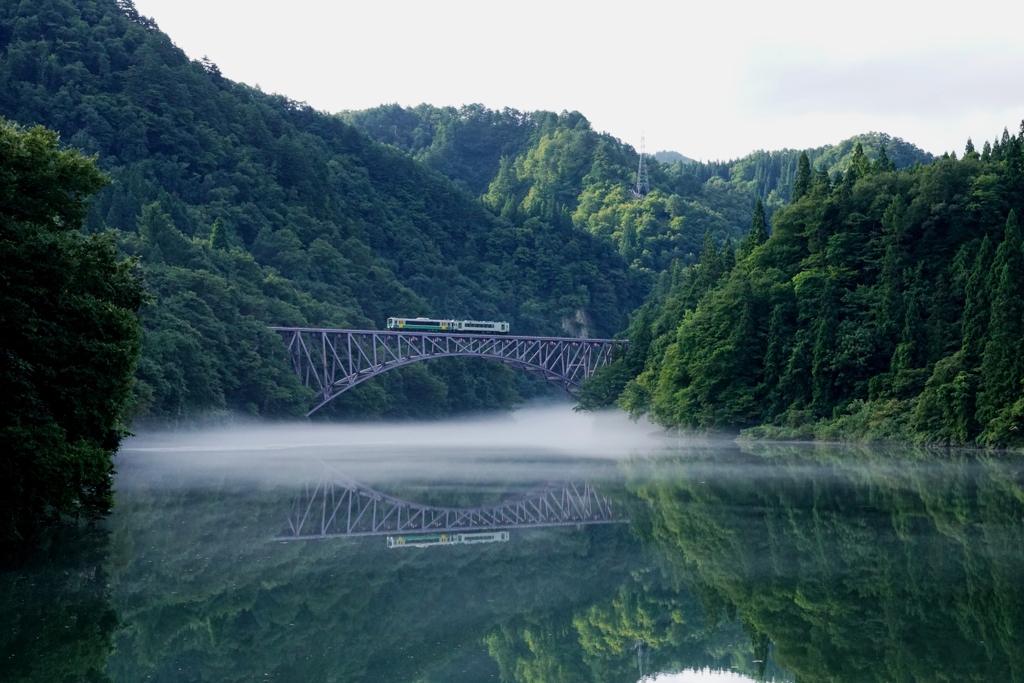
x=334 y=361
x=335 y=508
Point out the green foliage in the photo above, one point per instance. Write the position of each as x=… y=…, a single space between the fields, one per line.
x=552 y=166
x=70 y=342
x=876 y=308
x=250 y=210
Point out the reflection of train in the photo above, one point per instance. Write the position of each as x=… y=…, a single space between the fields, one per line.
x=428 y=540
x=431 y=325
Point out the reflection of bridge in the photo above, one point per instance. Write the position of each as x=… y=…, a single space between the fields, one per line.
x=337 y=508
x=334 y=361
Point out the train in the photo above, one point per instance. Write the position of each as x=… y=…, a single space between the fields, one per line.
x=432 y=325
x=428 y=540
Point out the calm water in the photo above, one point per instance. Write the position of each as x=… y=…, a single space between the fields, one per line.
x=738 y=562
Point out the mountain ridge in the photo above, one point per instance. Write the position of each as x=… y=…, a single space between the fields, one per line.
x=315 y=224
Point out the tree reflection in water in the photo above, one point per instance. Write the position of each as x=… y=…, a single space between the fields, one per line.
x=769 y=562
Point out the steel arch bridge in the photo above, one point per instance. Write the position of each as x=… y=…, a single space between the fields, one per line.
x=334 y=361
x=340 y=508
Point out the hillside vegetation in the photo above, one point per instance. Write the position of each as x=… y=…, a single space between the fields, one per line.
x=249 y=209
x=71 y=339
x=554 y=166
x=885 y=305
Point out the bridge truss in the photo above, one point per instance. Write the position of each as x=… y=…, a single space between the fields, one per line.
x=337 y=508
x=334 y=361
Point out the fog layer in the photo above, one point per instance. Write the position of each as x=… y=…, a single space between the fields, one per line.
x=509 y=447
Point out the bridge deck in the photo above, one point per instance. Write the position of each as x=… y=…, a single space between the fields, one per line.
x=475 y=335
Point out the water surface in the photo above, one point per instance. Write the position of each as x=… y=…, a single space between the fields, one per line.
x=738 y=562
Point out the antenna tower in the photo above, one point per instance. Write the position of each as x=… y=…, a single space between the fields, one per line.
x=643 y=187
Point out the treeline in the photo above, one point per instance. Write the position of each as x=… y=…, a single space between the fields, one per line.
x=555 y=167
x=885 y=305
x=772 y=174
x=250 y=210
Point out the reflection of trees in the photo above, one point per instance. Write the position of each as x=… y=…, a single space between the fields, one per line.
x=858 y=567
x=57 y=622
x=600 y=642
x=202 y=589
x=840 y=564
x=199 y=588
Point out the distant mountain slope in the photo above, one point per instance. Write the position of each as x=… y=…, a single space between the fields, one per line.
x=547 y=165
x=670 y=157
x=250 y=209
x=770 y=175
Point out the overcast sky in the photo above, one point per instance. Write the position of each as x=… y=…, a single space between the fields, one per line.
x=714 y=79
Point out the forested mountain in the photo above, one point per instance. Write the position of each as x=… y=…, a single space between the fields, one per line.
x=770 y=175
x=249 y=209
x=554 y=166
x=885 y=305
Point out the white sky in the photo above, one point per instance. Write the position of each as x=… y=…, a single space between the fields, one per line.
x=711 y=79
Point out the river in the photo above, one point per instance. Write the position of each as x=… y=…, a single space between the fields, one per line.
x=685 y=561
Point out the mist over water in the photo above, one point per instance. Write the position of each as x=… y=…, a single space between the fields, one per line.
x=549 y=442
x=731 y=561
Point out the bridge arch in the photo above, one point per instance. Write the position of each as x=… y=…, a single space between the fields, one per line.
x=333 y=361
x=528 y=367
x=338 y=507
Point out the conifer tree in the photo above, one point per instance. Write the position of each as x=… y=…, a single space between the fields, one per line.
x=890 y=311
x=802 y=185
x=776 y=356
x=883 y=163
x=708 y=270
x=859 y=165
x=822 y=183
x=219 y=236
x=728 y=257
x=823 y=375
x=1002 y=367
x=758 y=234
x=912 y=351
x=978 y=306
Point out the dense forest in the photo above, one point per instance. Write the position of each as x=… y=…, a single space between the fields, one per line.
x=71 y=339
x=884 y=305
x=249 y=209
x=555 y=167
x=865 y=298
